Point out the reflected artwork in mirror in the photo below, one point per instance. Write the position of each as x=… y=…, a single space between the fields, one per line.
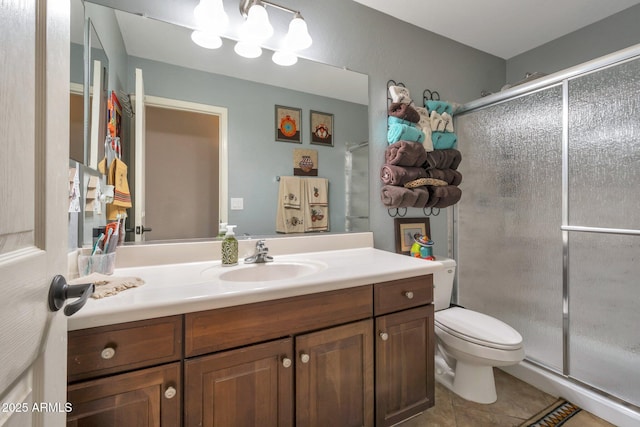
x=235 y=180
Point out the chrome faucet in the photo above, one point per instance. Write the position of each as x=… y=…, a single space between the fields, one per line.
x=261 y=255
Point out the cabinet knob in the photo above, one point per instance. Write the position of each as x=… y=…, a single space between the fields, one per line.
x=286 y=362
x=170 y=392
x=108 y=352
x=304 y=358
x=408 y=294
x=384 y=336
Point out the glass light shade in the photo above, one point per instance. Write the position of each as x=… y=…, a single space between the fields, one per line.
x=298 y=37
x=206 y=39
x=284 y=58
x=257 y=27
x=248 y=49
x=210 y=16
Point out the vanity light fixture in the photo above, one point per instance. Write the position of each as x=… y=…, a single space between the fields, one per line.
x=211 y=21
x=256 y=29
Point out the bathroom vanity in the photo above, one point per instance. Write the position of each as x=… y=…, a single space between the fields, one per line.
x=350 y=344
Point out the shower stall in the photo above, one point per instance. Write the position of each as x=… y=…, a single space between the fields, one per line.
x=356 y=169
x=547 y=233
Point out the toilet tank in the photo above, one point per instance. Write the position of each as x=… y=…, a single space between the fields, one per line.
x=443 y=283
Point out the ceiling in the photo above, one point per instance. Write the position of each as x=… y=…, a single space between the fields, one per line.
x=504 y=28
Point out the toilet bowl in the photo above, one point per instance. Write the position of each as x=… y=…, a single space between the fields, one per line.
x=469 y=344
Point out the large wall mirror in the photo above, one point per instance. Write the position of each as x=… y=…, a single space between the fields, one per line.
x=209 y=135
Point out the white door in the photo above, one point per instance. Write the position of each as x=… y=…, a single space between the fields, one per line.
x=34 y=105
x=140 y=126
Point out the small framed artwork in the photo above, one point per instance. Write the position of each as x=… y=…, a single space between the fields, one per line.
x=406 y=229
x=321 y=128
x=288 y=124
x=305 y=162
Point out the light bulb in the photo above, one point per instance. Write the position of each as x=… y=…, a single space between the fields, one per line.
x=284 y=58
x=257 y=27
x=247 y=49
x=210 y=16
x=297 y=37
x=206 y=39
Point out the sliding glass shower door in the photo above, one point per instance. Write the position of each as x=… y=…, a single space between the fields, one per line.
x=509 y=246
x=604 y=214
x=547 y=233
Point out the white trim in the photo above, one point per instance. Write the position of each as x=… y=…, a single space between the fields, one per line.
x=76 y=88
x=223 y=117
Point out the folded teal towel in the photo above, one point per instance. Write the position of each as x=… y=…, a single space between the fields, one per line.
x=443 y=140
x=402 y=132
x=439 y=107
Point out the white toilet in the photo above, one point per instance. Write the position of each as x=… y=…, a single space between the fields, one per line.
x=469 y=344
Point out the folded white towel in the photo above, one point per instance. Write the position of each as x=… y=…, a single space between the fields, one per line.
x=107 y=286
x=317 y=190
x=291 y=191
x=290 y=212
x=400 y=94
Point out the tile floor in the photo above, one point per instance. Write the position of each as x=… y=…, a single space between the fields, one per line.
x=517 y=401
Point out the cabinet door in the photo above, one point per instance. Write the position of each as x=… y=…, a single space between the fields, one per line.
x=334 y=376
x=250 y=386
x=404 y=364
x=148 y=397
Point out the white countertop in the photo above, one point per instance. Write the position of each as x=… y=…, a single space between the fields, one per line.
x=171 y=289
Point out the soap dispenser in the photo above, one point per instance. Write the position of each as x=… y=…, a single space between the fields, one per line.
x=230 y=248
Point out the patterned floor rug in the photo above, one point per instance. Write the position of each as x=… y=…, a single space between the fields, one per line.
x=560 y=413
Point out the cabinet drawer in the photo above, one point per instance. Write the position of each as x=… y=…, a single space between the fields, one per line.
x=225 y=328
x=109 y=349
x=402 y=294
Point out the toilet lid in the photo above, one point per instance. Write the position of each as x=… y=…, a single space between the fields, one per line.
x=478 y=328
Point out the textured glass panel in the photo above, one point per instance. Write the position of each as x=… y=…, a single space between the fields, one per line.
x=357 y=191
x=604 y=148
x=604 y=272
x=509 y=240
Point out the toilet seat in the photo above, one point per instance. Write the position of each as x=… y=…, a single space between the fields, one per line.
x=478 y=328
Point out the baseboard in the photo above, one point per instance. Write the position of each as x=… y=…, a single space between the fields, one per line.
x=589 y=400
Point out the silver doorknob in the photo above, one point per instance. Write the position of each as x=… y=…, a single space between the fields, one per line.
x=384 y=336
x=408 y=294
x=304 y=358
x=170 y=392
x=286 y=362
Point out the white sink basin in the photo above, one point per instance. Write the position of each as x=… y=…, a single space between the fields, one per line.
x=264 y=272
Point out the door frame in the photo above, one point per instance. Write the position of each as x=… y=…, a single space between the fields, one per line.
x=223 y=157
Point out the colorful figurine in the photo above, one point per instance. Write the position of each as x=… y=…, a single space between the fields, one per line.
x=422 y=247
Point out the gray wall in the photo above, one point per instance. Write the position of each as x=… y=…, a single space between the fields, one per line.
x=609 y=35
x=255 y=158
x=347 y=34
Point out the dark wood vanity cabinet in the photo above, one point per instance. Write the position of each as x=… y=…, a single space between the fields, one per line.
x=126 y=374
x=405 y=344
x=359 y=356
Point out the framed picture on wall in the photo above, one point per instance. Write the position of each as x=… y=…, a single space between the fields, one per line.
x=288 y=124
x=406 y=229
x=321 y=128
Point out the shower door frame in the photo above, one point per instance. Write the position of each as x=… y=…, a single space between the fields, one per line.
x=560 y=78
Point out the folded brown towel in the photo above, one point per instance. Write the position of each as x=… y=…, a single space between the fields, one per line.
x=405 y=153
x=400 y=197
x=447 y=196
x=108 y=285
x=400 y=175
x=404 y=112
x=444 y=159
x=452 y=177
